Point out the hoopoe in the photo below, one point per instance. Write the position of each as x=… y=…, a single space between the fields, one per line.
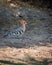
x=18 y=32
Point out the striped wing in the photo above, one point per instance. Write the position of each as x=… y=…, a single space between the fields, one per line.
x=16 y=33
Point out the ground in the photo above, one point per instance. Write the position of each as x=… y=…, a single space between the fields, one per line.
x=37 y=55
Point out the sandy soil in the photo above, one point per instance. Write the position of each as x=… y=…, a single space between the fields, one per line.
x=26 y=55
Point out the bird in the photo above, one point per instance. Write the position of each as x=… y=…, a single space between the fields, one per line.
x=18 y=32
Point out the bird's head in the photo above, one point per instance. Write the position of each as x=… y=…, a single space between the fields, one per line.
x=22 y=21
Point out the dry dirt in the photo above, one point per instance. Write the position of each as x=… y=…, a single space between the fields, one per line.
x=40 y=55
